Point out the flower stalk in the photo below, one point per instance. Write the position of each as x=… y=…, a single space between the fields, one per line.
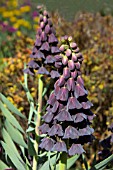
x=38 y=120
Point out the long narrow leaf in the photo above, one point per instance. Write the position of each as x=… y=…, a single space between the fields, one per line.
x=15 y=134
x=3 y=165
x=101 y=165
x=13 y=157
x=46 y=164
x=9 y=142
x=11 y=106
x=10 y=117
x=72 y=160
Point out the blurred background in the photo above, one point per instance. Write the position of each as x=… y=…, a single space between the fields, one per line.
x=89 y=22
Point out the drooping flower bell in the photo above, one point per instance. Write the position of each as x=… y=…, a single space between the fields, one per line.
x=68 y=118
x=45 y=47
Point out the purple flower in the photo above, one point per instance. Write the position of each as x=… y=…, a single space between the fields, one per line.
x=68 y=115
x=76 y=149
x=45 y=47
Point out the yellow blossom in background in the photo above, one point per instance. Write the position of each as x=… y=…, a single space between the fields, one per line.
x=17 y=12
x=13 y=19
x=16 y=25
x=10 y=99
x=25 y=8
x=19 y=33
x=20 y=109
x=12 y=3
x=36 y=19
x=7 y=14
x=101 y=86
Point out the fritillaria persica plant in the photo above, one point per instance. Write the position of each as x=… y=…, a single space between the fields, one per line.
x=45 y=47
x=68 y=118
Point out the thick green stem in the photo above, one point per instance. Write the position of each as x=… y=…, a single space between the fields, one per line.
x=40 y=91
x=63 y=161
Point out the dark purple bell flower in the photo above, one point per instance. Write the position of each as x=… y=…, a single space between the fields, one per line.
x=54 y=74
x=71 y=65
x=87 y=105
x=70 y=84
x=90 y=117
x=55 y=50
x=64 y=60
x=79 y=91
x=61 y=81
x=44 y=128
x=71 y=132
x=33 y=64
x=64 y=115
x=86 y=131
x=42 y=25
x=73 y=45
x=74 y=74
x=77 y=65
x=74 y=57
x=63 y=94
x=73 y=103
x=58 y=58
x=76 y=50
x=55 y=106
x=57 y=89
x=28 y=71
x=45 y=47
x=60 y=147
x=38 y=55
x=47 y=29
x=76 y=149
x=47 y=144
x=38 y=42
x=42 y=70
x=80 y=81
x=52 y=99
x=48 y=117
x=68 y=52
x=49 y=59
x=62 y=48
x=66 y=73
x=79 y=117
x=52 y=38
x=55 y=130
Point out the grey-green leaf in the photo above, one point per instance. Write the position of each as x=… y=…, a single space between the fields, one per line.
x=101 y=165
x=3 y=165
x=53 y=162
x=72 y=160
x=15 y=134
x=15 y=160
x=10 y=143
x=11 y=106
x=10 y=117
